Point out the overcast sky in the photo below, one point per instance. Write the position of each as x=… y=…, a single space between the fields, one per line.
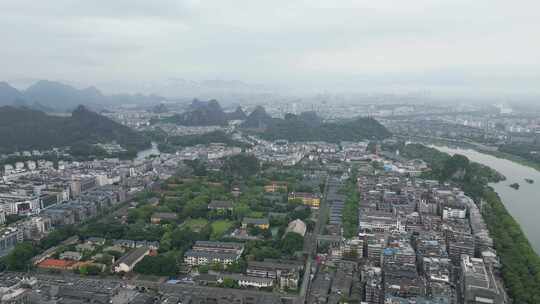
x=442 y=45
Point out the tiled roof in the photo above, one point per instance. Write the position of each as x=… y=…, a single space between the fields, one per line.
x=55 y=263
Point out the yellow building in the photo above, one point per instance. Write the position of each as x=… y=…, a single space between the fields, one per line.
x=262 y=223
x=276 y=187
x=308 y=199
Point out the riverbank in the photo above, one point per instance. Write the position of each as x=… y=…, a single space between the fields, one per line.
x=477 y=147
x=513 y=158
x=152 y=151
x=522 y=204
x=520 y=263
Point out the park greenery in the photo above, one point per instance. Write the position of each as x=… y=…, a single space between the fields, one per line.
x=188 y=198
x=241 y=166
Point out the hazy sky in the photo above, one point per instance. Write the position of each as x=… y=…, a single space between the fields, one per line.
x=446 y=45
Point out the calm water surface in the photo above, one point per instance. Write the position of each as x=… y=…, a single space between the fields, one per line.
x=523 y=204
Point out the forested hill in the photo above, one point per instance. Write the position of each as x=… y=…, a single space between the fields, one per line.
x=305 y=127
x=258 y=119
x=238 y=114
x=201 y=113
x=24 y=129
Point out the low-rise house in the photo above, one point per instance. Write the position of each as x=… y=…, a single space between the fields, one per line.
x=71 y=255
x=57 y=264
x=51 y=251
x=297 y=226
x=207 y=252
x=230 y=247
x=97 y=241
x=262 y=223
x=158 y=217
x=128 y=261
x=85 y=247
x=276 y=186
x=154 y=245
x=135 y=244
x=287 y=274
x=124 y=243
x=247 y=281
x=197 y=258
x=115 y=248
x=308 y=199
x=221 y=205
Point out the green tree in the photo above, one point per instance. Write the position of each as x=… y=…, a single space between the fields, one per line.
x=350 y=210
x=241 y=165
x=292 y=242
x=19 y=258
x=89 y=270
x=238 y=266
x=161 y=265
x=230 y=283
x=203 y=269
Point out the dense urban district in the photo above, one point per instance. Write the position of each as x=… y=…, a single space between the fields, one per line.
x=225 y=207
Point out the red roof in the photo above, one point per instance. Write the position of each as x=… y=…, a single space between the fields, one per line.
x=55 y=263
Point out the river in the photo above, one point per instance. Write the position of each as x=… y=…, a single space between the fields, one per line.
x=523 y=204
x=154 y=150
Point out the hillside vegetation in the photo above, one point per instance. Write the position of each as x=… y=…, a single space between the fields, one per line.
x=26 y=129
x=309 y=128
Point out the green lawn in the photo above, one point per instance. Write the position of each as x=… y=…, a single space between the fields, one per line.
x=219 y=228
x=196 y=224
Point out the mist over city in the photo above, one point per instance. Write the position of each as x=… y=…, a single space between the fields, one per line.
x=181 y=48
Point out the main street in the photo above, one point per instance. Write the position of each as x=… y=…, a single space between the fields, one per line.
x=310 y=245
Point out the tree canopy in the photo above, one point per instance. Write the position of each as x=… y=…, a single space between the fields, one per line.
x=305 y=128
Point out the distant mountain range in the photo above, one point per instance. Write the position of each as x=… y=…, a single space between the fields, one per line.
x=55 y=96
x=201 y=113
x=206 y=113
x=307 y=126
x=24 y=129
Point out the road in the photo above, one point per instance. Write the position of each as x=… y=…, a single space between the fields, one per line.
x=311 y=245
